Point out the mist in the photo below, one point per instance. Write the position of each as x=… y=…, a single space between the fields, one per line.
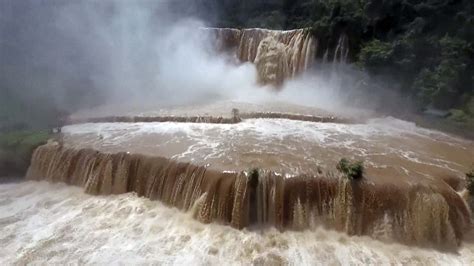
x=77 y=55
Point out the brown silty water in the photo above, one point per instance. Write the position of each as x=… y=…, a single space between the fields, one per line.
x=408 y=194
x=278 y=55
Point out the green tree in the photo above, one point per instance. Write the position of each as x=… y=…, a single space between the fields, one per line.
x=441 y=86
x=376 y=54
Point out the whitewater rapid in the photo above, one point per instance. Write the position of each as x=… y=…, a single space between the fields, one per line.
x=392 y=148
x=44 y=223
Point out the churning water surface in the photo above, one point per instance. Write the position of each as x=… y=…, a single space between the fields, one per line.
x=393 y=150
x=55 y=224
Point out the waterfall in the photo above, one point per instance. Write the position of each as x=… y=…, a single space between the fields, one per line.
x=342 y=50
x=325 y=56
x=414 y=214
x=223 y=195
x=225 y=38
x=278 y=55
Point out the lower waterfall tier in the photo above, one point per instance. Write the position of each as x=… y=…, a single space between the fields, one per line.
x=418 y=214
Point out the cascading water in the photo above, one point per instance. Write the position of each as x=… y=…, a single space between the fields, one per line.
x=278 y=55
x=176 y=184
x=426 y=214
x=44 y=223
x=415 y=214
x=341 y=52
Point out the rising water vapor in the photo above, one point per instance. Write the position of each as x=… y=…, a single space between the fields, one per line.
x=74 y=55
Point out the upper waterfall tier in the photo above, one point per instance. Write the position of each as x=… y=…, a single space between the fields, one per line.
x=278 y=55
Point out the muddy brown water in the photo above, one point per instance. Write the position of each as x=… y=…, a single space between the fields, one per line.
x=394 y=151
x=408 y=194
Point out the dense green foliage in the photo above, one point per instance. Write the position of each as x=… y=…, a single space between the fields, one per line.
x=352 y=170
x=424 y=45
x=16 y=148
x=18 y=113
x=24 y=125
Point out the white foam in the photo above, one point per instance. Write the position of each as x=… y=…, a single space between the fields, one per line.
x=43 y=223
x=377 y=137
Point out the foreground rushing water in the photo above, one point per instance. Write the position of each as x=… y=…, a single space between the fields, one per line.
x=55 y=223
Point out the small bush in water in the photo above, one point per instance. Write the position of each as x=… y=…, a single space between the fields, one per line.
x=470 y=182
x=352 y=170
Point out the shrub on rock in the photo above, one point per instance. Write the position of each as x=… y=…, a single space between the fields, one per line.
x=352 y=170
